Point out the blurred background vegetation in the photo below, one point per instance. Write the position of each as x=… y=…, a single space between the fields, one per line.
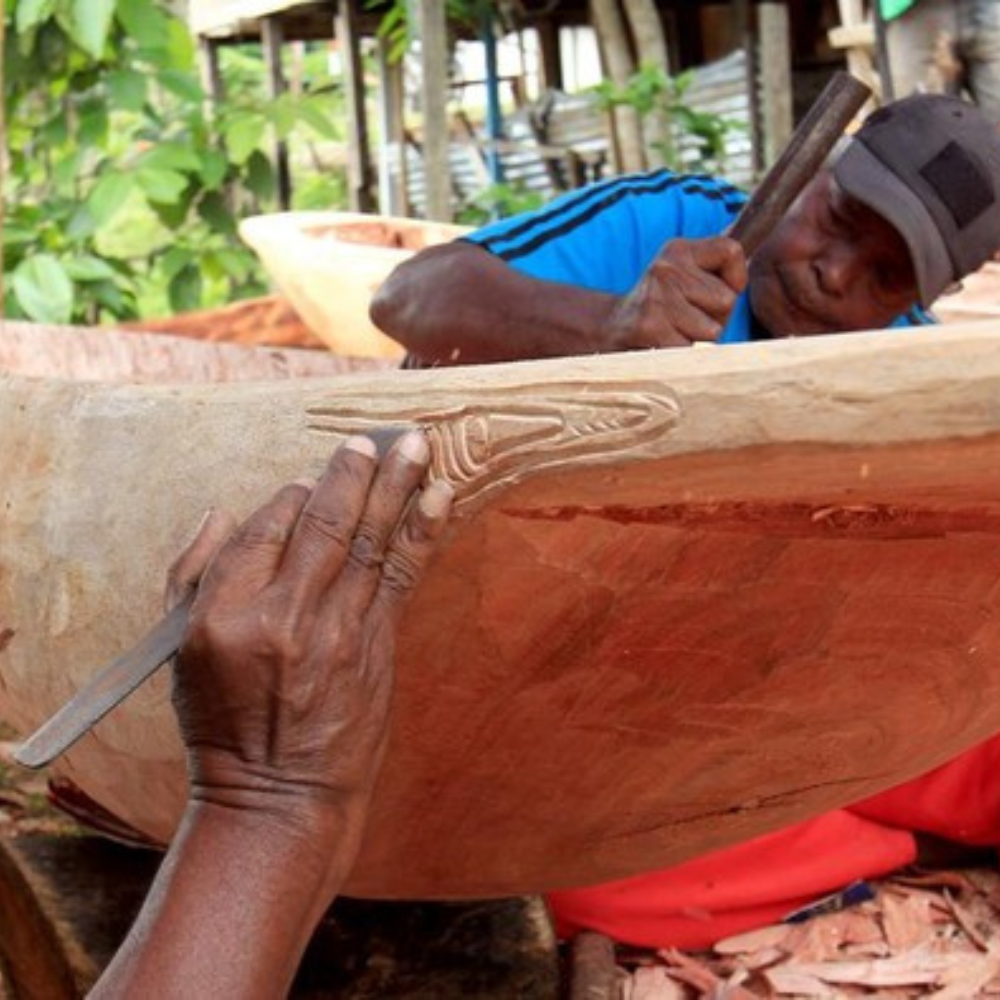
x=123 y=185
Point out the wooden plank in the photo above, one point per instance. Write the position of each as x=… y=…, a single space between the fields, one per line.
x=392 y=159
x=775 y=78
x=361 y=197
x=433 y=33
x=675 y=608
x=272 y=42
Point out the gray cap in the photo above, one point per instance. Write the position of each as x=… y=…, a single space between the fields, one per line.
x=930 y=166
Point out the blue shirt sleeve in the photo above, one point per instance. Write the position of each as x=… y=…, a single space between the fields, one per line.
x=603 y=237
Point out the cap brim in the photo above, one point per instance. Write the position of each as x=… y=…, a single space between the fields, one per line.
x=863 y=176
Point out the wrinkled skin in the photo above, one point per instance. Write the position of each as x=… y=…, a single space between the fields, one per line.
x=831 y=264
x=685 y=296
x=282 y=689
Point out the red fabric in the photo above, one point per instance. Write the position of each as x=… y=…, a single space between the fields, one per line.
x=695 y=904
x=958 y=801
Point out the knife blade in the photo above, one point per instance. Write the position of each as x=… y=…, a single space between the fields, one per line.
x=115 y=682
x=108 y=688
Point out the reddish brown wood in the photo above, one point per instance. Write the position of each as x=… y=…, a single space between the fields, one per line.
x=688 y=596
x=267 y=322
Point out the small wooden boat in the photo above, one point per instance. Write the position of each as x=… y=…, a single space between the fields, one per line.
x=687 y=597
x=329 y=264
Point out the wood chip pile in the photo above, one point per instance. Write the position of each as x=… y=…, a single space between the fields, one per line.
x=931 y=935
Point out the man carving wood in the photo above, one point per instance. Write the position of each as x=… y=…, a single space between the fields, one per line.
x=911 y=206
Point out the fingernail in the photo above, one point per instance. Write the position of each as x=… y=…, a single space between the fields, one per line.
x=413 y=446
x=306 y=481
x=362 y=445
x=436 y=500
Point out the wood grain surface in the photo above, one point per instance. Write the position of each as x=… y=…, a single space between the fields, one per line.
x=687 y=597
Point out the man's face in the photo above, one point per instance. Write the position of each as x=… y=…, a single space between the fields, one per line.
x=831 y=265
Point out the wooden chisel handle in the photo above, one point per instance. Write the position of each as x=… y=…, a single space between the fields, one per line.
x=817 y=134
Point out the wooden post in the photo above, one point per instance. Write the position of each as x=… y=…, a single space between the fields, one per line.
x=271 y=41
x=619 y=65
x=211 y=73
x=433 y=33
x=593 y=973
x=359 y=173
x=548 y=44
x=774 y=60
x=3 y=146
x=392 y=150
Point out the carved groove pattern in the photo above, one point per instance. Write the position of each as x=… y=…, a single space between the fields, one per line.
x=499 y=440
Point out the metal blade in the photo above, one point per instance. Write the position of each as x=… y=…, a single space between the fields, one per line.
x=111 y=686
x=115 y=682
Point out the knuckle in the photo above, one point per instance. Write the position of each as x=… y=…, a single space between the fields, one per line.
x=400 y=571
x=279 y=636
x=365 y=550
x=334 y=527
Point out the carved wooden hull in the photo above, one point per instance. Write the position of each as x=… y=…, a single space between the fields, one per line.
x=688 y=596
x=329 y=264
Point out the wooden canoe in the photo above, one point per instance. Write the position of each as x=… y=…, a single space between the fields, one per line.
x=329 y=264
x=688 y=596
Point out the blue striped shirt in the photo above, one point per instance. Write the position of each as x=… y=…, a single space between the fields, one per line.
x=605 y=236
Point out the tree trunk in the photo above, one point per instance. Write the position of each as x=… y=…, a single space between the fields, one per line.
x=619 y=65
x=651 y=46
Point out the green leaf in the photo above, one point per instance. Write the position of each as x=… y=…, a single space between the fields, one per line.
x=319 y=119
x=81 y=225
x=43 y=289
x=142 y=21
x=174 y=261
x=93 y=128
x=169 y=156
x=260 y=175
x=55 y=131
x=29 y=14
x=184 y=290
x=173 y=214
x=213 y=209
x=67 y=169
x=87 y=267
x=283 y=114
x=236 y=263
x=180 y=46
x=164 y=186
x=213 y=168
x=127 y=89
x=243 y=136
x=91 y=24
x=108 y=195
x=109 y=295
x=183 y=84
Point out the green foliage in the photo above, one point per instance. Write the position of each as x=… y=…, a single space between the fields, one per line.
x=652 y=90
x=498 y=201
x=398 y=30
x=124 y=187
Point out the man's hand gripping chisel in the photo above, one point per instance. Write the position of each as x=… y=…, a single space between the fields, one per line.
x=112 y=684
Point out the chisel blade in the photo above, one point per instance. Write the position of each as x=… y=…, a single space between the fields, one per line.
x=108 y=688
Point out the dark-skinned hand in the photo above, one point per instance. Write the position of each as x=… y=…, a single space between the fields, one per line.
x=685 y=296
x=284 y=680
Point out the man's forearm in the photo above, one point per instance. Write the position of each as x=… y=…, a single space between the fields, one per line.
x=233 y=905
x=458 y=304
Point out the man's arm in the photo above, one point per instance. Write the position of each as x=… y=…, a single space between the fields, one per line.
x=460 y=304
x=282 y=689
